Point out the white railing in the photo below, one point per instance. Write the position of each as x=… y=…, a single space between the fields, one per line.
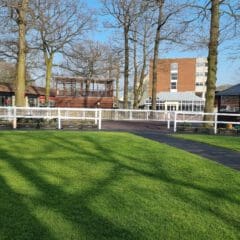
x=60 y=114
x=198 y=117
x=134 y=115
x=98 y=115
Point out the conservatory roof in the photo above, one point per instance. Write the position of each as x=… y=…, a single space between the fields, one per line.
x=178 y=96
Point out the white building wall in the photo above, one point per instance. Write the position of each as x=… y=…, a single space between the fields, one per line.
x=201 y=76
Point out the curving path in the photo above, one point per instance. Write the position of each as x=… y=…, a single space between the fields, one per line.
x=221 y=155
x=158 y=131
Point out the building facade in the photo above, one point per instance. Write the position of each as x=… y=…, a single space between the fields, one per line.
x=71 y=92
x=228 y=101
x=181 y=75
x=81 y=92
x=180 y=79
x=34 y=96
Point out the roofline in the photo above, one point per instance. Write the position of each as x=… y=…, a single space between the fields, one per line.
x=223 y=93
x=179 y=58
x=83 y=78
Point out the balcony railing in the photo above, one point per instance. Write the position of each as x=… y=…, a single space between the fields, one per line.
x=83 y=93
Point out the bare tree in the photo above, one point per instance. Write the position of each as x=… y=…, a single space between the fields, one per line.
x=142 y=48
x=125 y=13
x=7 y=72
x=169 y=27
x=113 y=64
x=160 y=23
x=212 y=58
x=18 y=12
x=93 y=59
x=218 y=9
x=86 y=58
x=220 y=18
x=57 y=24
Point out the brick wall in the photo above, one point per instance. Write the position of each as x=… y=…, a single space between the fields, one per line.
x=186 y=75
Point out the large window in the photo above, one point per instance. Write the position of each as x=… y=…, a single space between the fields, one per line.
x=32 y=101
x=174 y=76
x=201 y=64
x=174 y=66
x=200 y=74
x=230 y=104
x=199 y=83
x=5 y=101
x=173 y=85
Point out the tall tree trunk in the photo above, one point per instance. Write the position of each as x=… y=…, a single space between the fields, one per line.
x=155 y=56
x=117 y=85
x=110 y=68
x=142 y=75
x=126 y=67
x=135 y=80
x=212 y=60
x=21 y=61
x=49 y=64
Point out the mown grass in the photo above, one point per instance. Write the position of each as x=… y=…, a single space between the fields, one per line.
x=90 y=185
x=229 y=142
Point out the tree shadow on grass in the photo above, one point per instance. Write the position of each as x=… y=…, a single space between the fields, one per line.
x=73 y=207
x=157 y=172
x=178 y=186
x=16 y=220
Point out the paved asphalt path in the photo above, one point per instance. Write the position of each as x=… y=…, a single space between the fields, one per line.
x=221 y=155
x=158 y=131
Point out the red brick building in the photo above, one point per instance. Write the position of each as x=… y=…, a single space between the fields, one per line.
x=179 y=77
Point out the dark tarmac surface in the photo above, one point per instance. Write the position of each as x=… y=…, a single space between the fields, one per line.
x=158 y=131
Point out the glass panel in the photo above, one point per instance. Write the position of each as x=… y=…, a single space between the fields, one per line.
x=174 y=66
x=173 y=85
x=174 y=76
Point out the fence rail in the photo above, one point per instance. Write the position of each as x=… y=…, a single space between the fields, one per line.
x=198 y=117
x=172 y=118
x=60 y=114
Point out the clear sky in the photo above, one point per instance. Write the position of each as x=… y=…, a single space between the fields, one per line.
x=228 y=69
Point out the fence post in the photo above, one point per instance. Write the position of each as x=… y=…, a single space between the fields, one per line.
x=168 y=120
x=215 y=123
x=175 y=122
x=99 y=119
x=59 y=119
x=96 y=116
x=9 y=113
x=47 y=109
x=115 y=114
x=130 y=115
x=14 y=117
x=147 y=115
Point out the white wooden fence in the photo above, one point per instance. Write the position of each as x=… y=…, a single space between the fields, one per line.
x=198 y=117
x=97 y=115
x=60 y=114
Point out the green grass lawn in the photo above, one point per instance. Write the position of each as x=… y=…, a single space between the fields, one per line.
x=92 y=185
x=229 y=142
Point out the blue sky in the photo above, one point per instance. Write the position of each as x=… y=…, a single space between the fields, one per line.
x=228 y=69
